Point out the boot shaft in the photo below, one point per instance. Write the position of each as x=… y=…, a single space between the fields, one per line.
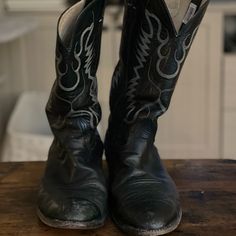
x=73 y=102
x=78 y=42
x=151 y=58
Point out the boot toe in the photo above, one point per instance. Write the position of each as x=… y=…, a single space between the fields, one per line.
x=146 y=207
x=81 y=211
x=149 y=216
x=74 y=210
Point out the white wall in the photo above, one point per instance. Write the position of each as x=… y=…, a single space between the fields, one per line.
x=12 y=74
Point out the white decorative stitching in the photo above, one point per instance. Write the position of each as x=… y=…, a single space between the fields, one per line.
x=89 y=53
x=142 y=55
x=179 y=62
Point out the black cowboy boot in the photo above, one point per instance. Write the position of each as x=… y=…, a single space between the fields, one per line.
x=143 y=197
x=73 y=192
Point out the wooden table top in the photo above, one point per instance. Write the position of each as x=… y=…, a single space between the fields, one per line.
x=207 y=189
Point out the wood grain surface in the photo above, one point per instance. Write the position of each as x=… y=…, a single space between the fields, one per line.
x=207 y=189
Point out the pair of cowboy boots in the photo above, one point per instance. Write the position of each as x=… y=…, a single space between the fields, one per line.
x=142 y=197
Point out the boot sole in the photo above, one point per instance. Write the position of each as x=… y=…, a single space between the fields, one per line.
x=142 y=232
x=54 y=223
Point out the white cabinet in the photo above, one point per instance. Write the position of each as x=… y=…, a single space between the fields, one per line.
x=40 y=53
x=13 y=76
x=229 y=107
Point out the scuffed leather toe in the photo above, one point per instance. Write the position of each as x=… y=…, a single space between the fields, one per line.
x=80 y=210
x=144 y=207
x=148 y=215
x=68 y=210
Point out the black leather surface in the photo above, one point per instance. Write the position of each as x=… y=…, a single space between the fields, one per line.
x=142 y=194
x=73 y=187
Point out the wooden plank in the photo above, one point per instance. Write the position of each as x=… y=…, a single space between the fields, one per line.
x=207 y=189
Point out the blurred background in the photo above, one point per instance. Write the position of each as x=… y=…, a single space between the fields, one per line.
x=200 y=124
